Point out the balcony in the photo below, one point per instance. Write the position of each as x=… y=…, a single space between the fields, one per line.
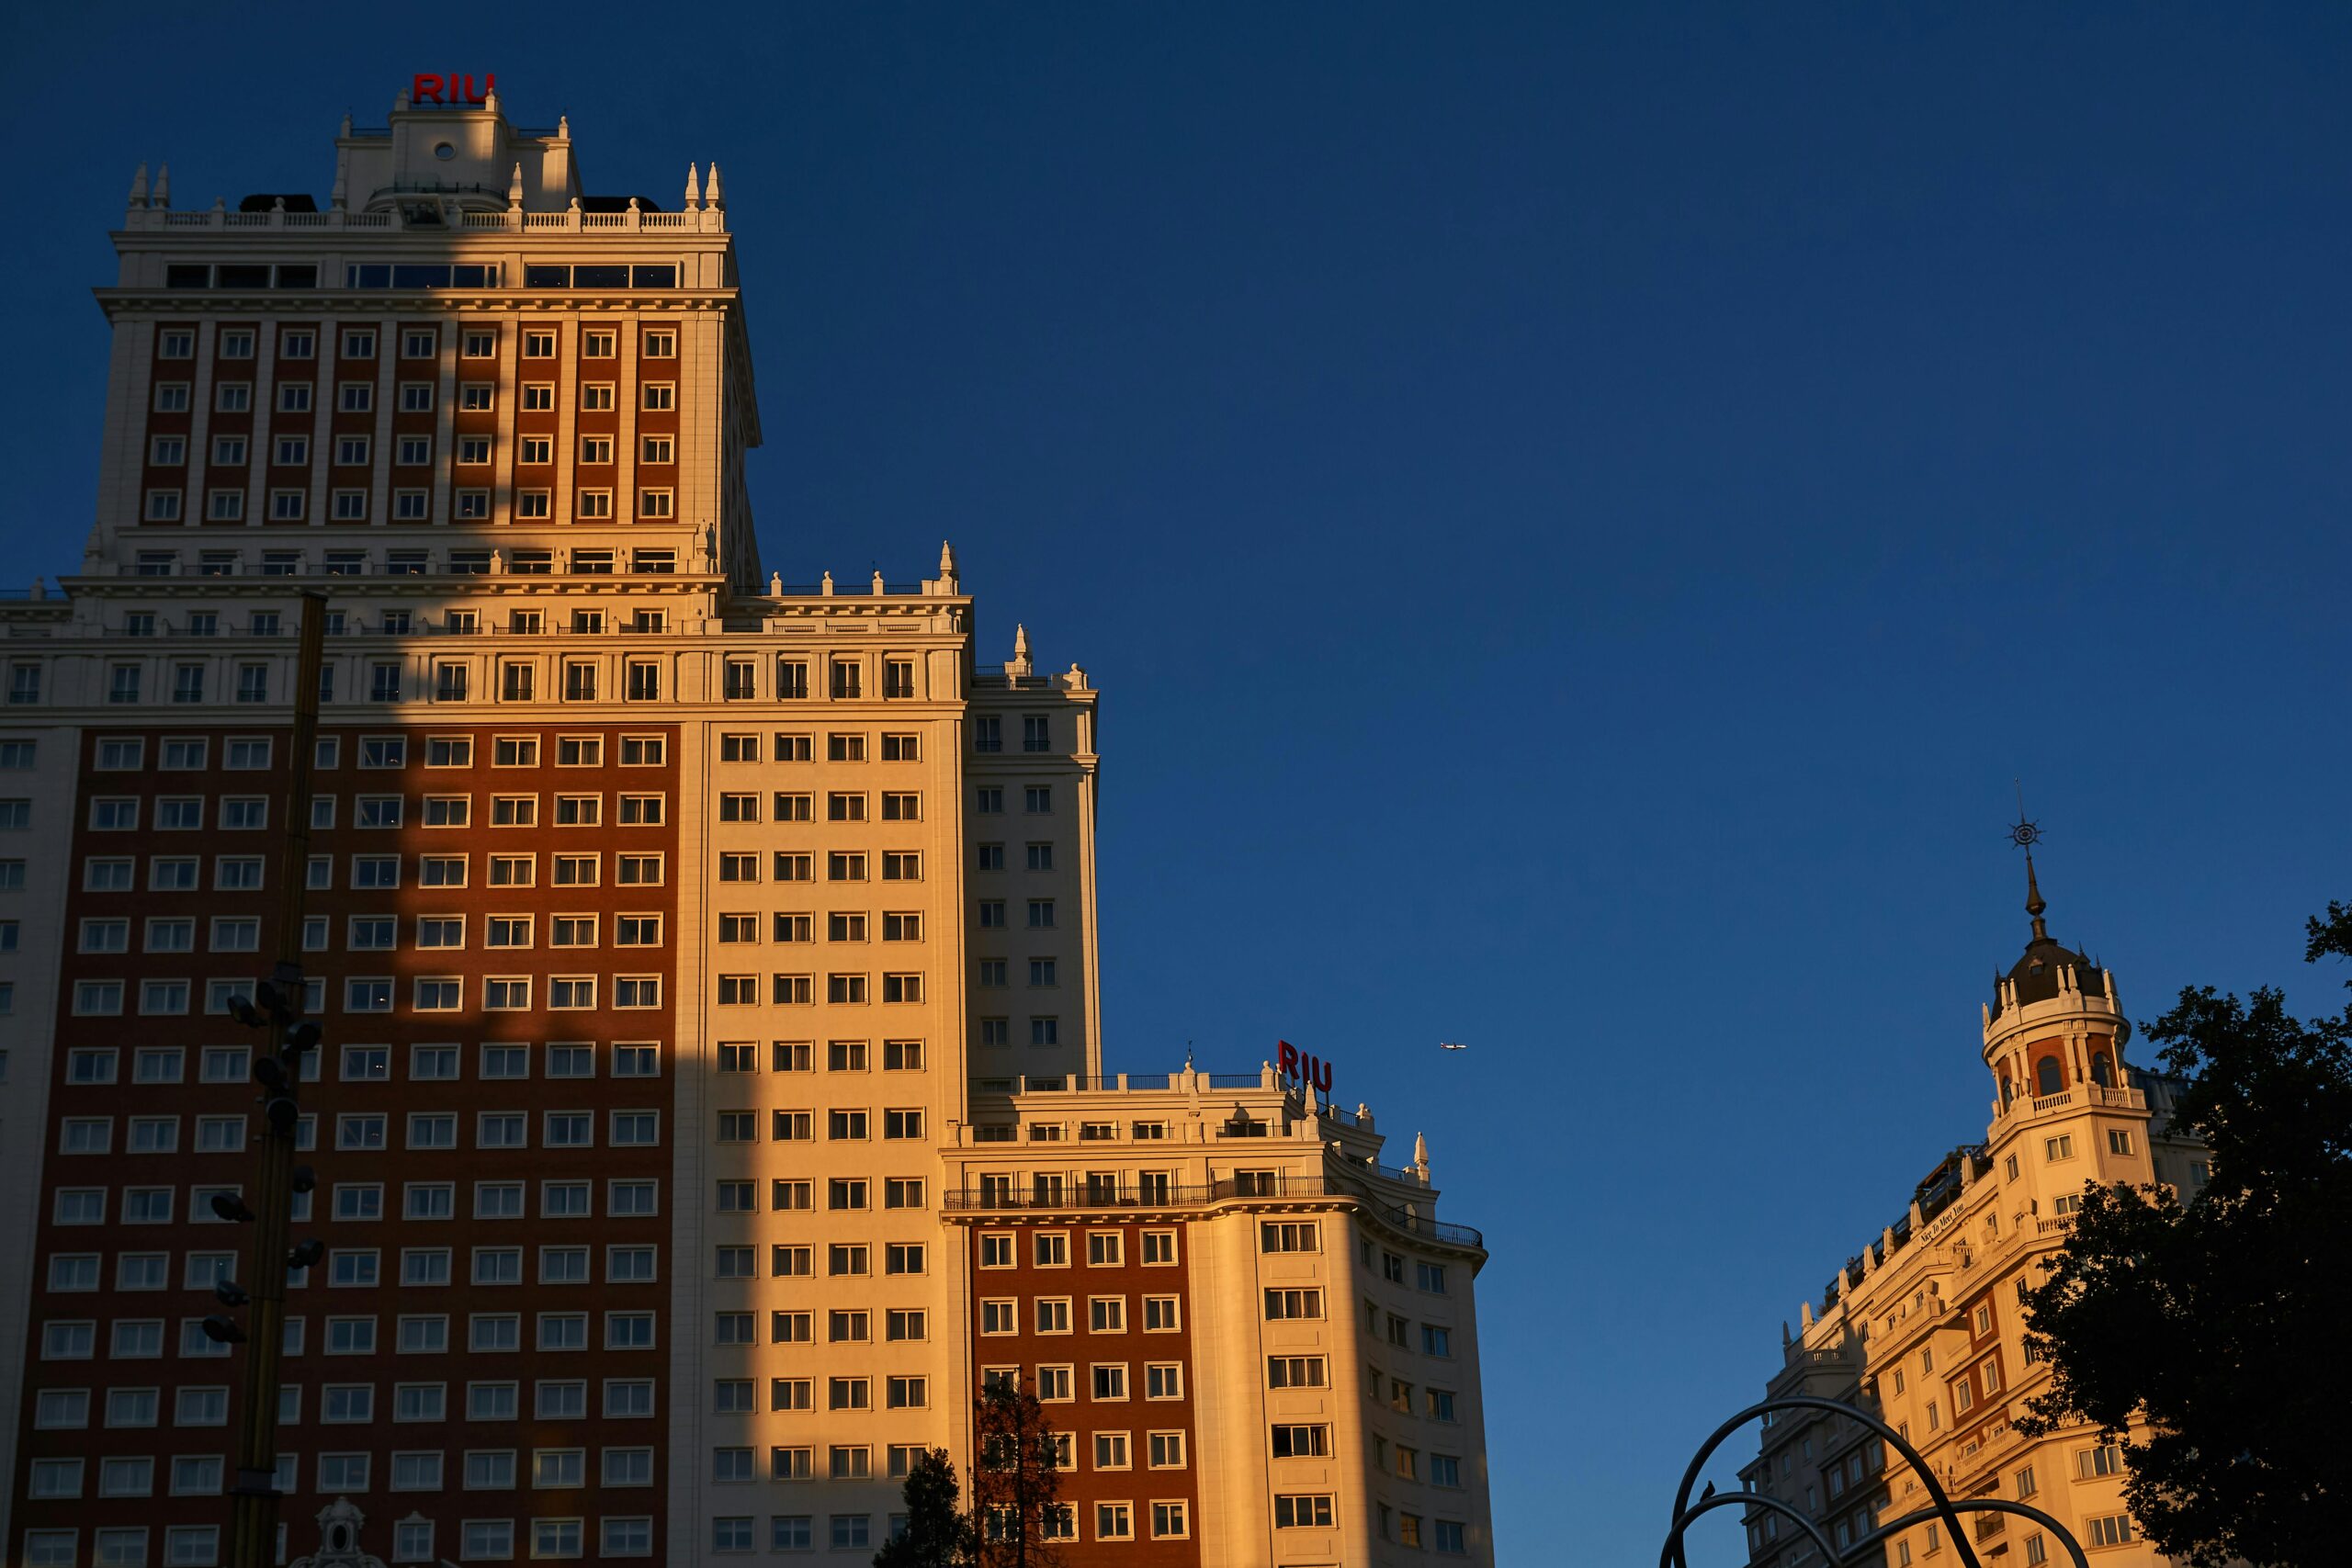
x=1082 y=1197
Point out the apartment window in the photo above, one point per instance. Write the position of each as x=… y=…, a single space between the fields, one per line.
x=2109 y=1530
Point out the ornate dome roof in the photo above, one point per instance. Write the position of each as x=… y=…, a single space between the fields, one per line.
x=2035 y=975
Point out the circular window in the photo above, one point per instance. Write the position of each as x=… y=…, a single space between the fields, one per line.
x=445 y=152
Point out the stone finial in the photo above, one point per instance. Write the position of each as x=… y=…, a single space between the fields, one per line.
x=1075 y=679
x=563 y=128
x=220 y=204
x=694 y=186
x=1804 y=1315
x=878 y=583
x=711 y=196
x=139 y=188
x=489 y=100
x=399 y=101
x=825 y=585
x=346 y=127
x=39 y=592
x=947 y=550
x=514 y=186
x=163 y=197
x=497 y=562
x=775 y=584
x=1422 y=1151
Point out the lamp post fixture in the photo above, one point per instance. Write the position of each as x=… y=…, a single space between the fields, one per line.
x=277 y=1006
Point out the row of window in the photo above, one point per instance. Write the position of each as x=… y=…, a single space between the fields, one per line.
x=840 y=1125
x=1436 y=1402
x=412 y=396
x=409 y=451
x=359 y=1064
x=625 y=1198
x=792 y=926
x=430 y=994
x=1104 y=1314
x=131 y=1339
x=840 y=1057
x=379 y=933
x=461 y=561
x=840 y=865
x=363 y=1132
x=416 y=343
x=198 y=1546
x=491 y=1470
x=1051 y=1248
x=1447 y=1536
x=553 y=1399
x=799 y=990
x=796 y=1532
x=192 y=753
x=843 y=1261
x=851 y=1327
x=785 y=1195
x=289 y=504
x=382 y=872
x=452 y=680
x=632 y=1264
x=492 y=1130
x=120 y=814
x=143 y=1339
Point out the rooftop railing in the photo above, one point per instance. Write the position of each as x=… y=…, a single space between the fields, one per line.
x=513 y=219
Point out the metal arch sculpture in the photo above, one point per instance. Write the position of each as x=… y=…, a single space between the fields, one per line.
x=1939 y=1507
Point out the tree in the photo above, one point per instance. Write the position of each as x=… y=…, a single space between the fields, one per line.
x=2220 y=1320
x=1017 y=1482
x=939 y=1534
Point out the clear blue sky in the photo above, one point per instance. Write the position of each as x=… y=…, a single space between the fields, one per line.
x=1580 y=514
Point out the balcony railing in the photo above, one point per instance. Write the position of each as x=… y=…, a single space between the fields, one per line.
x=1276 y=1184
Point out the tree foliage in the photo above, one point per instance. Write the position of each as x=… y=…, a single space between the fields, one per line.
x=1016 y=1481
x=2220 y=1320
x=939 y=1533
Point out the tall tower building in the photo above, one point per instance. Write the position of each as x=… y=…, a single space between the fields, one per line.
x=1925 y=1323
x=712 y=1100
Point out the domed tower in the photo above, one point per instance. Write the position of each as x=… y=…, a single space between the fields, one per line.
x=2055 y=1023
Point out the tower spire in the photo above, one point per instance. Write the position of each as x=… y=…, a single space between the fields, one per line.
x=2025 y=834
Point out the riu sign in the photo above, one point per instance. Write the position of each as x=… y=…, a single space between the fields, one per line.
x=428 y=88
x=1298 y=1067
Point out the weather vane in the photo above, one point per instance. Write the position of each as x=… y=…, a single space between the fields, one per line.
x=2024 y=834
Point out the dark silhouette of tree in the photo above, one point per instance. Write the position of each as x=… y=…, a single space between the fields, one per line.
x=939 y=1533
x=1017 y=1481
x=2222 y=1319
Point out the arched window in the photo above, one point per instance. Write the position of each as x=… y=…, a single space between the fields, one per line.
x=2049 y=1077
x=2102 y=1074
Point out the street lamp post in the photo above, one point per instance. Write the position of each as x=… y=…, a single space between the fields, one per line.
x=277 y=1007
